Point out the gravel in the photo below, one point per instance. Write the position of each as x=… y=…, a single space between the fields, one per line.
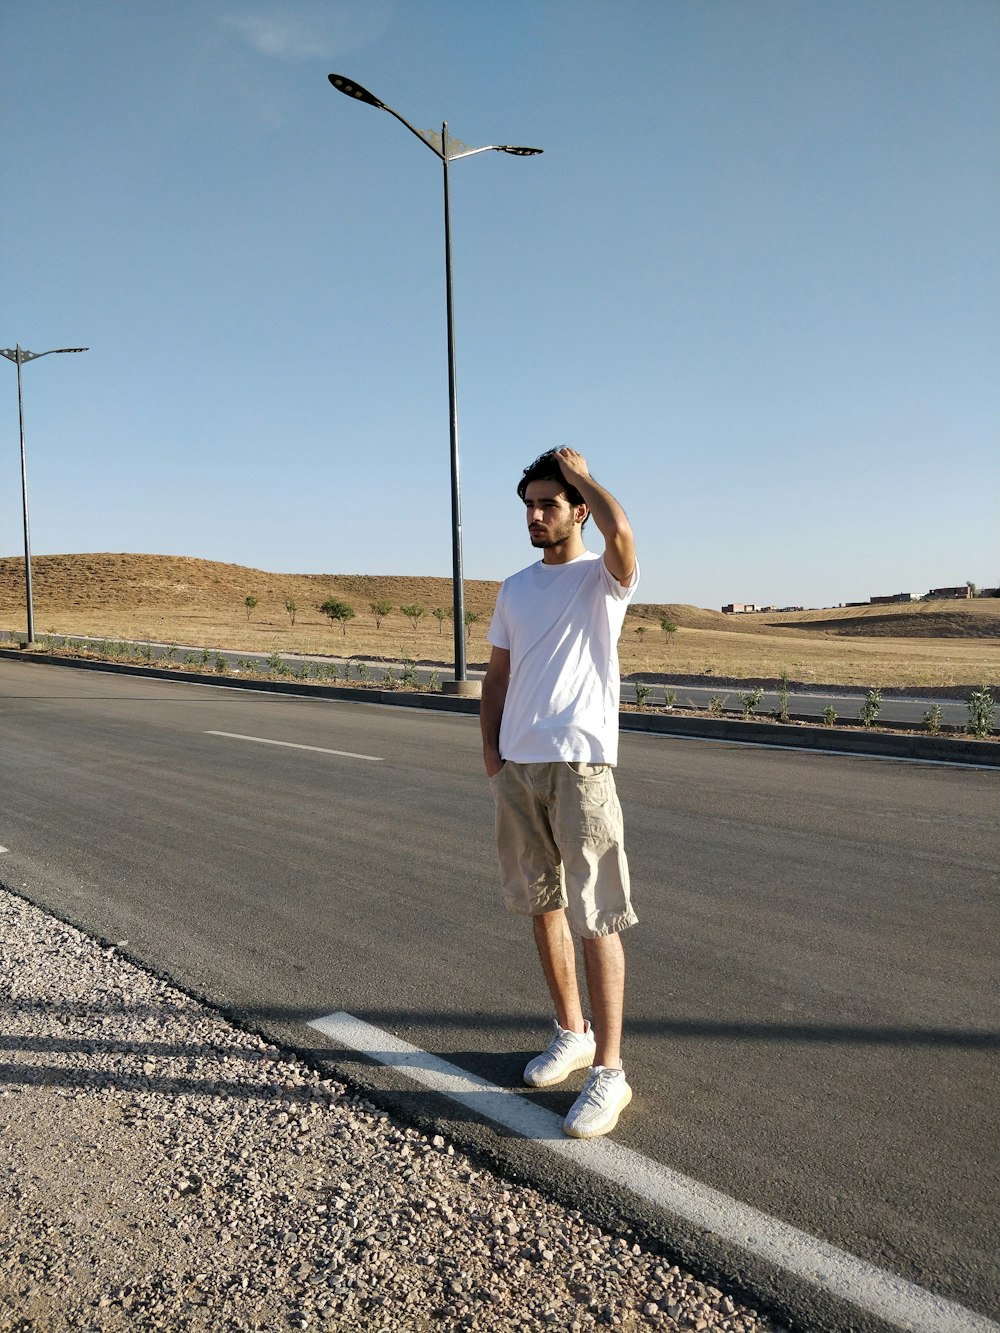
x=161 y=1169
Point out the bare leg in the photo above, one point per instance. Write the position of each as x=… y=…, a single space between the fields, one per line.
x=604 y=963
x=558 y=957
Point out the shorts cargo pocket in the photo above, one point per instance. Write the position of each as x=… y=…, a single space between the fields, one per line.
x=597 y=804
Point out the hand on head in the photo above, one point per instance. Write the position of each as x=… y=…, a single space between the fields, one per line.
x=571 y=463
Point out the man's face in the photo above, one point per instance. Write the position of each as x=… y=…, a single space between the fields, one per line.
x=551 y=517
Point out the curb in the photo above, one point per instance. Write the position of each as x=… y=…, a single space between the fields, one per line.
x=809 y=736
x=791 y=735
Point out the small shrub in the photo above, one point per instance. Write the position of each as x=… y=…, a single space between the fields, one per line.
x=781 y=711
x=206 y=656
x=434 y=683
x=932 y=720
x=409 y=677
x=641 y=693
x=982 y=713
x=389 y=679
x=190 y=659
x=304 y=671
x=221 y=664
x=871 y=708
x=829 y=715
x=751 y=702
x=717 y=704
x=361 y=670
x=245 y=664
x=170 y=653
x=669 y=698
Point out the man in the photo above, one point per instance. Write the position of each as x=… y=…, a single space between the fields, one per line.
x=550 y=741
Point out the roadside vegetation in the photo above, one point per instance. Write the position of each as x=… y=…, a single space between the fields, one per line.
x=946 y=646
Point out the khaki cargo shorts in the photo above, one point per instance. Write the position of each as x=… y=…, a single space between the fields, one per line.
x=561 y=844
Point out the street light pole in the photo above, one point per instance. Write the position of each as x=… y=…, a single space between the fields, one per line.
x=447 y=150
x=19 y=356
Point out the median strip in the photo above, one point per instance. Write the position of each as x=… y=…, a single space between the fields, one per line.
x=814 y=1261
x=292 y=745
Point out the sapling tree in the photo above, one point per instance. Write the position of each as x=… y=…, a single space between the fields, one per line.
x=291 y=608
x=380 y=608
x=471 y=618
x=781 y=711
x=337 y=610
x=413 y=614
x=669 y=627
x=441 y=614
x=249 y=602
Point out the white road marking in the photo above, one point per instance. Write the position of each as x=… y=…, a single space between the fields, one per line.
x=872 y=1289
x=291 y=745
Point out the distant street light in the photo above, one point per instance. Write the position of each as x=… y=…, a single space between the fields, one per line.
x=446 y=150
x=19 y=356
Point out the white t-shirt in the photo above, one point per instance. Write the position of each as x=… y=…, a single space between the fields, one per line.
x=561 y=625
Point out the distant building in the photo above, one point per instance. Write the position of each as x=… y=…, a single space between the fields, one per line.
x=893 y=597
x=740 y=608
x=962 y=591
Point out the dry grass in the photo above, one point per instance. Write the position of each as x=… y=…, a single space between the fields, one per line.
x=183 y=600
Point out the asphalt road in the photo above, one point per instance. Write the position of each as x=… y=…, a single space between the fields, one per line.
x=812 y=1023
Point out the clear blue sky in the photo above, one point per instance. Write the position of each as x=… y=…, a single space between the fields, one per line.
x=754 y=278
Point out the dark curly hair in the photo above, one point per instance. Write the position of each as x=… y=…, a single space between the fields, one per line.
x=546 y=468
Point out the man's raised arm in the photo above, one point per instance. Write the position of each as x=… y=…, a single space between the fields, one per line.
x=614 y=527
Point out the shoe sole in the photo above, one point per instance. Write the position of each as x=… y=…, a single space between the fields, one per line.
x=599 y=1133
x=583 y=1062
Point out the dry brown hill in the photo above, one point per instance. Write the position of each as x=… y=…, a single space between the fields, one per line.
x=171 y=582
x=184 y=600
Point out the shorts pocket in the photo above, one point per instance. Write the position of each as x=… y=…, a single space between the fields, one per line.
x=588 y=770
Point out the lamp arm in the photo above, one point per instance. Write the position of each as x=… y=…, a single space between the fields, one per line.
x=403 y=121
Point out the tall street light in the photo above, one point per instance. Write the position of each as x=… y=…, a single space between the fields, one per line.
x=19 y=356
x=446 y=150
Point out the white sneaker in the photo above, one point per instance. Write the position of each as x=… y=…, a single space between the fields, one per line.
x=605 y=1095
x=567 y=1051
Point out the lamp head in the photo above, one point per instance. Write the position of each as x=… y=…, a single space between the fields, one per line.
x=518 y=152
x=351 y=89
